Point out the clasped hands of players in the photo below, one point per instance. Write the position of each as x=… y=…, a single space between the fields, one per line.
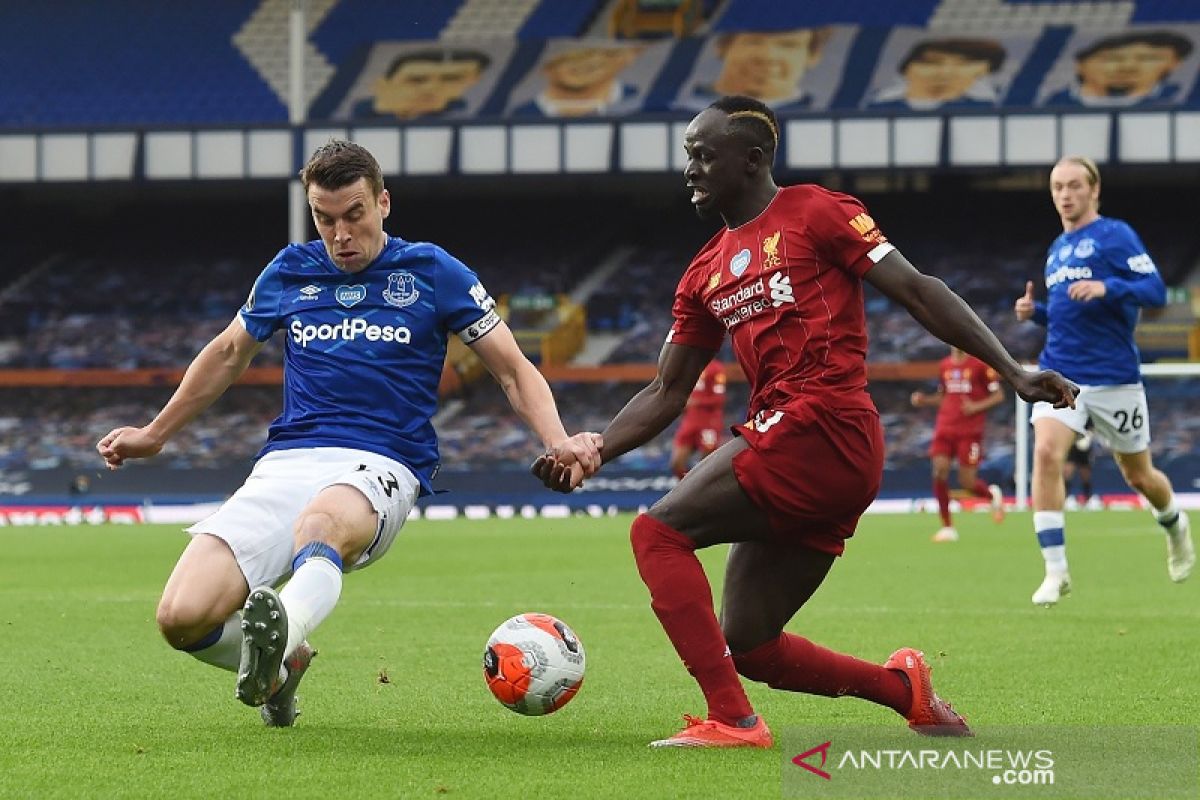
x=563 y=467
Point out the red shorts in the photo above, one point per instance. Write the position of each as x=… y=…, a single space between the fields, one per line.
x=966 y=449
x=702 y=434
x=813 y=469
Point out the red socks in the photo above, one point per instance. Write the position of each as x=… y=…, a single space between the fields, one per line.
x=981 y=488
x=681 y=598
x=794 y=663
x=941 y=490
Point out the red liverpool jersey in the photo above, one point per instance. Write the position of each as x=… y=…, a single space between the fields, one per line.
x=787 y=286
x=957 y=381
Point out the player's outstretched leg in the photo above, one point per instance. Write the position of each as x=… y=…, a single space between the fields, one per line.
x=264 y=639
x=280 y=710
x=681 y=598
x=929 y=714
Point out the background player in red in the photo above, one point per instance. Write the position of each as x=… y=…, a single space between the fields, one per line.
x=784 y=279
x=967 y=388
x=703 y=419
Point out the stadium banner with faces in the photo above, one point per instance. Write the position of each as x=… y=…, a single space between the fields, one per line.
x=412 y=81
x=1137 y=66
x=923 y=70
x=797 y=70
x=588 y=78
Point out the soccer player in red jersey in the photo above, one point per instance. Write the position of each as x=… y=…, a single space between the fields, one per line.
x=967 y=388
x=784 y=279
x=703 y=419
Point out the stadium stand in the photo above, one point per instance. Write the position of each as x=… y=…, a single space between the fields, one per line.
x=68 y=67
x=614 y=243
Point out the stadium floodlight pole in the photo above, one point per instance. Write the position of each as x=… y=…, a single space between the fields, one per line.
x=1021 y=453
x=297 y=113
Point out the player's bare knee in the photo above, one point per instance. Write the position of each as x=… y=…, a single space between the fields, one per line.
x=348 y=538
x=181 y=623
x=316 y=526
x=1047 y=458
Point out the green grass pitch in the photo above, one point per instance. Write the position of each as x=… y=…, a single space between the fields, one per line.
x=94 y=704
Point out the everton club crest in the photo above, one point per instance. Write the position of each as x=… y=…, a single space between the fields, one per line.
x=401 y=290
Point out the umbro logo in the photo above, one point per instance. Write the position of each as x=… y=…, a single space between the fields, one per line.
x=309 y=292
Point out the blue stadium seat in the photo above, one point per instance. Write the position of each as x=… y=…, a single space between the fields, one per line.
x=749 y=15
x=353 y=23
x=559 y=18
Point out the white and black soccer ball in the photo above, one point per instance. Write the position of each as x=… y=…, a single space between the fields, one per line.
x=533 y=664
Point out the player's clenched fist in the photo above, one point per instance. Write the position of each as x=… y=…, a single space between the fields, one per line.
x=123 y=443
x=1024 y=305
x=565 y=465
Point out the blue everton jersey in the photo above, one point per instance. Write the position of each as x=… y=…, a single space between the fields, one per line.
x=364 y=351
x=1092 y=342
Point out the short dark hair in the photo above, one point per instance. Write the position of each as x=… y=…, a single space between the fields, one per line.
x=340 y=163
x=987 y=50
x=751 y=119
x=440 y=56
x=1180 y=44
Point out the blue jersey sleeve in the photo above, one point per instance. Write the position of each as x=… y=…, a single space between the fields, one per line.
x=464 y=306
x=1135 y=277
x=260 y=315
x=1040 y=315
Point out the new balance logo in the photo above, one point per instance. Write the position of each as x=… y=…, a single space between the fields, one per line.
x=863 y=224
x=781 y=289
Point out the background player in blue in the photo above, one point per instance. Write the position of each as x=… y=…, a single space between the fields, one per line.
x=1098 y=276
x=366 y=318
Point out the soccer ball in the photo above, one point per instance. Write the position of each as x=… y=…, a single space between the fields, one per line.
x=533 y=664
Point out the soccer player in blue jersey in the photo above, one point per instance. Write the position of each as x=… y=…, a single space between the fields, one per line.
x=365 y=318
x=1098 y=277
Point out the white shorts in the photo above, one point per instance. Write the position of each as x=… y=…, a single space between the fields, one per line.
x=1119 y=415
x=257 y=521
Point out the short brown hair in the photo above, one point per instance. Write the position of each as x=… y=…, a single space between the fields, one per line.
x=340 y=163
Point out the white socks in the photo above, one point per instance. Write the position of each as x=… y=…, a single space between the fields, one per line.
x=1168 y=517
x=1049 y=528
x=309 y=597
x=223 y=647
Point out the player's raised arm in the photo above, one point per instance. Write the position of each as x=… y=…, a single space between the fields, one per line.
x=646 y=415
x=654 y=408
x=211 y=372
x=530 y=396
x=947 y=316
